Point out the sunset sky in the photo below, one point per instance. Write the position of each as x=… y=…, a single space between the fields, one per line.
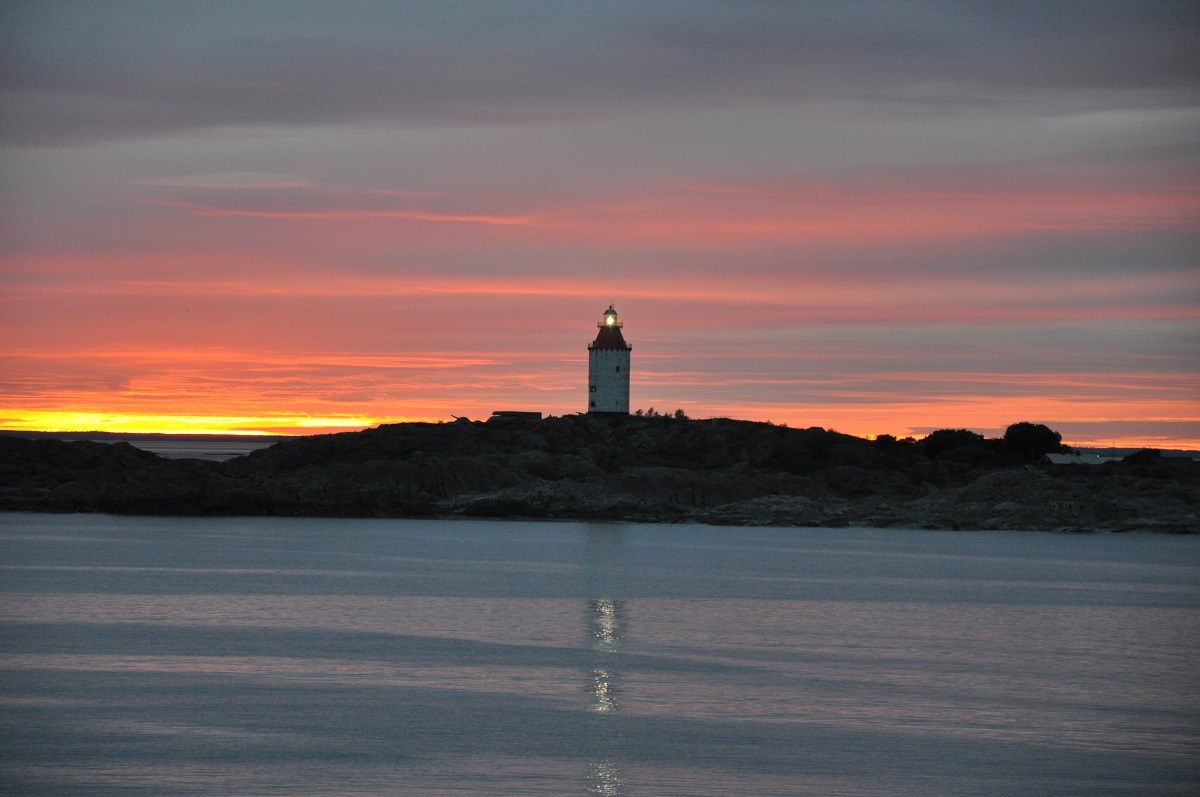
x=875 y=218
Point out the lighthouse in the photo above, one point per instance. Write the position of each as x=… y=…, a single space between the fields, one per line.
x=608 y=367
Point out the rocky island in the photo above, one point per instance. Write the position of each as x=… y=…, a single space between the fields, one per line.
x=643 y=468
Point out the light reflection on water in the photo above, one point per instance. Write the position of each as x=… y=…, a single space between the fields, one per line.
x=606 y=629
x=605 y=567
x=245 y=656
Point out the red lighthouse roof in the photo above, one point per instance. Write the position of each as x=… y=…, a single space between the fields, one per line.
x=609 y=336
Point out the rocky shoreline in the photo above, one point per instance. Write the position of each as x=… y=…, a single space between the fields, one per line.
x=624 y=468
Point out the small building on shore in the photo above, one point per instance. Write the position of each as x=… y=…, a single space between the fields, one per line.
x=514 y=418
x=1075 y=458
x=521 y=415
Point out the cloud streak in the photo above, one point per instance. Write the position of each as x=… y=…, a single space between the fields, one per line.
x=341 y=214
x=735 y=213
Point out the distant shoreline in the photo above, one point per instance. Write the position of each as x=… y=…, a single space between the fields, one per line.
x=118 y=437
x=213 y=447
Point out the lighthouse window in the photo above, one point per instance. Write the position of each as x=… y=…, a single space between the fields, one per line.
x=618 y=369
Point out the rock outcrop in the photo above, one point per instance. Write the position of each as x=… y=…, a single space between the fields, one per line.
x=654 y=469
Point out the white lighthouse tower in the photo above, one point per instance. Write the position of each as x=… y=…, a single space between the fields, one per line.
x=608 y=367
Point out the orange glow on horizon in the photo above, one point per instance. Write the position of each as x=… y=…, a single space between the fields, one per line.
x=229 y=391
x=300 y=425
x=67 y=421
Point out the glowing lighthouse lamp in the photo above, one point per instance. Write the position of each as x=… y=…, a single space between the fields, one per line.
x=608 y=367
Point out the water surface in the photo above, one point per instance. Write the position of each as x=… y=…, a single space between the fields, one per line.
x=287 y=656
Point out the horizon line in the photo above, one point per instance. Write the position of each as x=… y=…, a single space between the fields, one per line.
x=1192 y=446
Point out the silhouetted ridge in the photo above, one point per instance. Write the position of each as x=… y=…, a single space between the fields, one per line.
x=637 y=468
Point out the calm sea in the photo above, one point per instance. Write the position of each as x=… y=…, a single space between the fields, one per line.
x=279 y=656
